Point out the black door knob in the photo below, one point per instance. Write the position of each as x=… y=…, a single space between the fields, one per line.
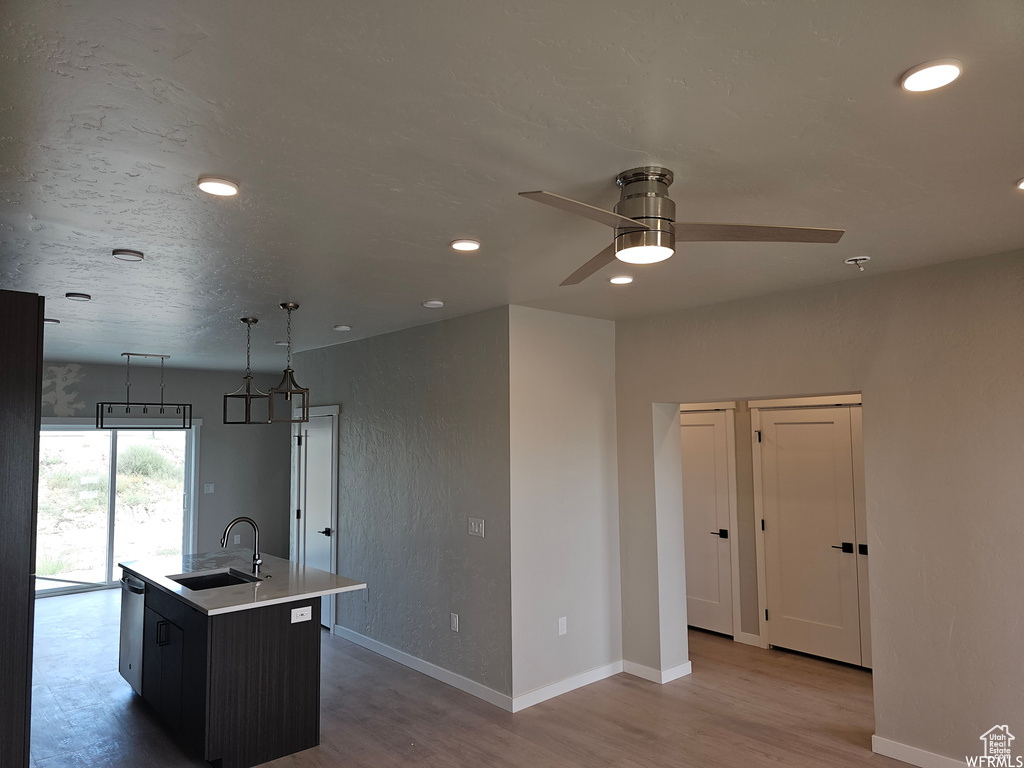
x=325 y=531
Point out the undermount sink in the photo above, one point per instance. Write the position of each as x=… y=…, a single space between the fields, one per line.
x=227 y=577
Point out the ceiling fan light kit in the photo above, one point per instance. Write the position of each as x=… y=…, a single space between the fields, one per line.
x=644 y=199
x=646 y=229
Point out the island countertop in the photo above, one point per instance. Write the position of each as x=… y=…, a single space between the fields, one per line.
x=281 y=581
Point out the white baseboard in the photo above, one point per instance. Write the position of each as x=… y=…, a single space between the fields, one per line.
x=537 y=695
x=471 y=687
x=660 y=676
x=747 y=639
x=510 y=703
x=912 y=755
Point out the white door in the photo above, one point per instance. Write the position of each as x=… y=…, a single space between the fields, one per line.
x=314 y=485
x=810 y=536
x=706 y=524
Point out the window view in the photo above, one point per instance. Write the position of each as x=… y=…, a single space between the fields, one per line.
x=85 y=527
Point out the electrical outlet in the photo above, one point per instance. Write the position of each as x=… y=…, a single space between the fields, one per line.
x=476 y=527
x=302 y=614
x=455 y=622
x=238 y=538
x=208 y=488
x=561 y=626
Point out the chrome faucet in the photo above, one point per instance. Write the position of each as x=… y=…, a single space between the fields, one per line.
x=257 y=561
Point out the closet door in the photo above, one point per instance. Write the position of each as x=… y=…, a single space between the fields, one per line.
x=706 y=524
x=810 y=536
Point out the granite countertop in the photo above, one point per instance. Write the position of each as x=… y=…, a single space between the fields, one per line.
x=281 y=581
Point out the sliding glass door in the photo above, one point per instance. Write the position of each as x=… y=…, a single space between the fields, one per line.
x=106 y=496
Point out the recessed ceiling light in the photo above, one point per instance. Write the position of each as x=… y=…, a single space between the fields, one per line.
x=281 y=343
x=620 y=280
x=215 y=185
x=124 y=254
x=78 y=296
x=466 y=245
x=1020 y=184
x=51 y=321
x=433 y=303
x=931 y=75
x=857 y=261
x=343 y=327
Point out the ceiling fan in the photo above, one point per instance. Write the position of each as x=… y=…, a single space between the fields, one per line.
x=646 y=229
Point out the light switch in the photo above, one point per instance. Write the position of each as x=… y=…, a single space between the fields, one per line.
x=302 y=614
x=476 y=527
x=455 y=622
x=561 y=626
x=208 y=488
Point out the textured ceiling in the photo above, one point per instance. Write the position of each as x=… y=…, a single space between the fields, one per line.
x=366 y=136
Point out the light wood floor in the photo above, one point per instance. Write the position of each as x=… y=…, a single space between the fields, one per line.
x=741 y=707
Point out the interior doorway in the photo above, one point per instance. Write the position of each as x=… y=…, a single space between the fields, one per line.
x=764 y=484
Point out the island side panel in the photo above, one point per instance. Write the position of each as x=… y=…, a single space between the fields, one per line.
x=264 y=693
x=188 y=724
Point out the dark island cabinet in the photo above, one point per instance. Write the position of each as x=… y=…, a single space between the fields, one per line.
x=236 y=689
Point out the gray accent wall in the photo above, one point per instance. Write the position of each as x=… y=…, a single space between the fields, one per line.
x=425 y=446
x=938 y=355
x=564 y=496
x=249 y=465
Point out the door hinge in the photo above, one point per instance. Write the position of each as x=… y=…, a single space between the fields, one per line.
x=300 y=440
x=762 y=523
x=766 y=614
x=298 y=514
x=758 y=433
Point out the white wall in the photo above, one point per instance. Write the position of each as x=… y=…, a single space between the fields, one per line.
x=938 y=354
x=424 y=438
x=248 y=464
x=564 y=505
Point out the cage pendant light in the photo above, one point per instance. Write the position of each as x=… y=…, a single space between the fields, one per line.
x=289 y=403
x=247 y=402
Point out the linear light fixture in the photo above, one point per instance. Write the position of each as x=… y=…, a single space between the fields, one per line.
x=123 y=412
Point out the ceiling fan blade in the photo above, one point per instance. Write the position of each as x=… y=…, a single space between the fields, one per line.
x=600 y=215
x=603 y=259
x=700 y=232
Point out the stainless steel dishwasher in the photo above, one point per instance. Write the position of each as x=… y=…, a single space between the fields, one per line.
x=133 y=614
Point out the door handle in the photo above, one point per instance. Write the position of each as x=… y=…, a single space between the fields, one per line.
x=847 y=547
x=722 y=533
x=325 y=531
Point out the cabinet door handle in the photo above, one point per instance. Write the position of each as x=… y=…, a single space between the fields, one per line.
x=161 y=633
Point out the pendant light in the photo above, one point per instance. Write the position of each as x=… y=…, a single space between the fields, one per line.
x=247 y=394
x=289 y=388
x=105 y=411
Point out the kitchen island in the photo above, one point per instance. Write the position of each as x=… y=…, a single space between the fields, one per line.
x=229 y=662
